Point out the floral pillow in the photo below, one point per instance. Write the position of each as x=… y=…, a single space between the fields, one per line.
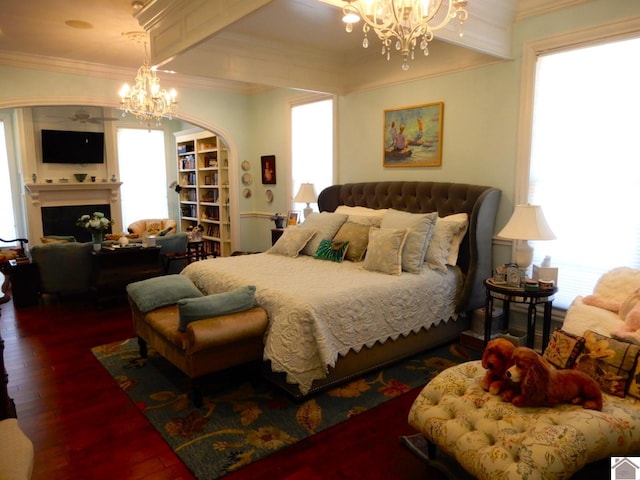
x=612 y=363
x=564 y=348
x=384 y=253
x=292 y=241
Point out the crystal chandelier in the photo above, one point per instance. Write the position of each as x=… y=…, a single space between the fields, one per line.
x=146 y=100
x=404 y=24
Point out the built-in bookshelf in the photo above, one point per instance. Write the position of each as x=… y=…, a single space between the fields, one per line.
x=203 y=176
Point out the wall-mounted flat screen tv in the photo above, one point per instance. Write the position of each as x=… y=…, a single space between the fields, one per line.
x=61 y=146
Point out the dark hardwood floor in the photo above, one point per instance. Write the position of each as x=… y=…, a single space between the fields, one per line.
x=84 y=427
x=80 y=422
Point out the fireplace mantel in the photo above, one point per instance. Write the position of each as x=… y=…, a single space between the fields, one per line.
x=35 y=189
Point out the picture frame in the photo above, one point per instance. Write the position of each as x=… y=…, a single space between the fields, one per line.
x=412 y=136
x=293 y=218
x=268 y=169
x=207 y=179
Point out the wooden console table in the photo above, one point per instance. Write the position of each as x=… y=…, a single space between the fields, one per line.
x=114 y=269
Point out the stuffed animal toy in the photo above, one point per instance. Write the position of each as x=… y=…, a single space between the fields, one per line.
x=496 y=358
x=540 y=384
x=628 y=311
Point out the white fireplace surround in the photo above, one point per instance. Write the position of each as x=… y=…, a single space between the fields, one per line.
x=38 y=195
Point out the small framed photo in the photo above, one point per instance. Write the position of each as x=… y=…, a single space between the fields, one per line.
x=268 y=164
x=207 y=179
x=293 y=218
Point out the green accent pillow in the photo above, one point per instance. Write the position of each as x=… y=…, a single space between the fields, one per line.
x=215 y=305
x=161 y=291
x=331 y=250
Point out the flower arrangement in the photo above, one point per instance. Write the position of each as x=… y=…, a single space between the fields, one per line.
x=95 y=223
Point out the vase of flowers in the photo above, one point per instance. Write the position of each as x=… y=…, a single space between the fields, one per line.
x=96 y=224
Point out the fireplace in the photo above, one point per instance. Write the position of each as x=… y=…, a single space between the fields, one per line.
x=62 y=220
x=54 y=208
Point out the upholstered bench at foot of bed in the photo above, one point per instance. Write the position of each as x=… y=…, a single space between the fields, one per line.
x=493 y=439
x=206 y=346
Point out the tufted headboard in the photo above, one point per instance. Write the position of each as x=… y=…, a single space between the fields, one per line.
x=479 y=202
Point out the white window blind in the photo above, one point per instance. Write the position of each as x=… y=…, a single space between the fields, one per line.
x=312 y=147
x=143 y=171
x=585 y=161
x=7 y=220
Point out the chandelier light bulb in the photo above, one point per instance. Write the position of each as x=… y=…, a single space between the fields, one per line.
x=146 y=100
x=403 y=22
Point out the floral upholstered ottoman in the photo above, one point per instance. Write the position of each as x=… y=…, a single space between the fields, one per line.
x=492 y=439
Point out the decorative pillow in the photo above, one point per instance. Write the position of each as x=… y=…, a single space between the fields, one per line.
x=215 y=305
x=331 y=250
x=326 y=225
x=364 y=220
x=292 y=241
x=384 y=253
x=612 y=363
x=361 y=211
x=563 y=348
x=162 y=233
x=419 y=228
x=357 y=236
x=160 y=291
x=445 y=243
x=58 y=239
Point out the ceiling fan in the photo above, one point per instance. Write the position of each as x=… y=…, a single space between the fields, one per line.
x=82 y=116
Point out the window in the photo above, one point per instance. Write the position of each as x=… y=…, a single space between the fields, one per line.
x=8 y=228
x=584 y=165
x=311 y=146
x=143 y=172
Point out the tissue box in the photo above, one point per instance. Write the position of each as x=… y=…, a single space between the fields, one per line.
x=545 y=273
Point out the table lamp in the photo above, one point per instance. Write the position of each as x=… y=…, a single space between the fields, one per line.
x=306 y=194
x=526 y=223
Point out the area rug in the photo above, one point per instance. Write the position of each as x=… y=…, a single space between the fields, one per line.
x=244 y=418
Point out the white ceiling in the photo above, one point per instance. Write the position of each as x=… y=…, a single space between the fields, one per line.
x=240 y=43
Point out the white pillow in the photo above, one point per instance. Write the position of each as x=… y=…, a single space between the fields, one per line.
x=445 y=244
x=292 y=240
x=384 y=251
x=420 y=228
x=361 y=211
x=325 y=224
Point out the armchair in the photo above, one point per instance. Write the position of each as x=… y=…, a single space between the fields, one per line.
x=145 y=227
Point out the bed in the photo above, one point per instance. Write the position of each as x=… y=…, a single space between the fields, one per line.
x=330 y=321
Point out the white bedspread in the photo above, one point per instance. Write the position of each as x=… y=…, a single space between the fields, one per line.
x=319 y=309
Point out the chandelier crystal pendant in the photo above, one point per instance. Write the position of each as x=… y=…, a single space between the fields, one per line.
x=404 y=24
x=145 y=99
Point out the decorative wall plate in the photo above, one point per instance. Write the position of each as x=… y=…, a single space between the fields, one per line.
x=246 y=193
x=268 y=196
x=245 y=165
x=247 y=179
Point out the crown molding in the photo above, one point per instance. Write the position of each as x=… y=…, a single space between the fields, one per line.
x=532 y=8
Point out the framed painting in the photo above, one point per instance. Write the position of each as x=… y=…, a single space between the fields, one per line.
x=293 y=218
x=268 y=163
x=413 y=136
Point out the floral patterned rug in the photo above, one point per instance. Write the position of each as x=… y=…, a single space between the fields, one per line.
x=244 y=418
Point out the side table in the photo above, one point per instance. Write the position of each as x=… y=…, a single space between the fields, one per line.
x=276 y=233
x=25 y=283
x=531 y=298
x=114 y=269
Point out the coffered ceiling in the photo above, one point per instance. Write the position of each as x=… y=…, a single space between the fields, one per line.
x=242 y=44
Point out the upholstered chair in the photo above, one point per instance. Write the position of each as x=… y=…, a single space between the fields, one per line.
x=159 y=227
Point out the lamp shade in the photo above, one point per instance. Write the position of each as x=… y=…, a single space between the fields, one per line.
x=306 y=194
x=527 y=223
